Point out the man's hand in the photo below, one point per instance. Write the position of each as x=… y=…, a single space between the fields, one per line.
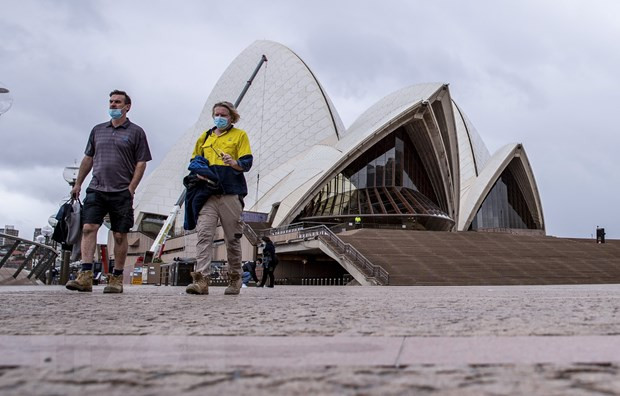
x=75 y=191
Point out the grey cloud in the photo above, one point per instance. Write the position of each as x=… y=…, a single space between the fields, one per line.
x=540 y=73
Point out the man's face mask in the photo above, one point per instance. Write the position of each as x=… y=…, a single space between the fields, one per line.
x=115 y=113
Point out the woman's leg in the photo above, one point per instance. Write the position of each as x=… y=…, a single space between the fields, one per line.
x=271 y=278
x=264 y=279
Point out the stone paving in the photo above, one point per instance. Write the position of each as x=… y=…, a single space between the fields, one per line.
x=548 y=340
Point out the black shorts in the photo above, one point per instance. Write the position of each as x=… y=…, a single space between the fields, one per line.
x=118 y=204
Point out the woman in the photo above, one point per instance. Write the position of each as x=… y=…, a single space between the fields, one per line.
x=226 y=150
x=270 y=261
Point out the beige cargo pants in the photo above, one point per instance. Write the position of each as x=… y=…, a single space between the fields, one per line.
x=227 y=209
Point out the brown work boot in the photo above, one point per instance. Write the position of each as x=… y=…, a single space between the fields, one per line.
x=200 y=285
x=83 y=283
x=115 y=284
x=234 y=283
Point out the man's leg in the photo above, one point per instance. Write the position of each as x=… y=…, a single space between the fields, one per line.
x=120 y=250
x=89 y=242
x=95 y=208
x=120 y=207
x=115 y=281
x=92 y=215
x=84 y=281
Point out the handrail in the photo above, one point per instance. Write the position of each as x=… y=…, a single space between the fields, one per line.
x=38 y=270
x=295 y=227
x=250 y=234
x=322 y=231
x=370 y=269
x=358 y=259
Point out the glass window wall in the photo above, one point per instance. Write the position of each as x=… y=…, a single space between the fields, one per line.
x=388 y=179
x=504 y=207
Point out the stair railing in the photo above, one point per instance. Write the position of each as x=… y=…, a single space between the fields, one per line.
x=330 y=238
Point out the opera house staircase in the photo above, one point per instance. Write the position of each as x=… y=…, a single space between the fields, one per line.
x=486 y=258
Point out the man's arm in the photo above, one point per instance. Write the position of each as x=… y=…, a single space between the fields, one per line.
x=85 y=167
x=137 y=176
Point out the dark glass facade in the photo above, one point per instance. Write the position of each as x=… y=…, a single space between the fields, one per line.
x=387 y=184
x=504 y=207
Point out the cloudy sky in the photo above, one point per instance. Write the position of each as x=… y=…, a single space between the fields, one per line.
x=540 y=72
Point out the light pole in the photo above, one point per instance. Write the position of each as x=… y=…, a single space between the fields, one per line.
x=70 y=174
x=6 y=100
x=47 y=231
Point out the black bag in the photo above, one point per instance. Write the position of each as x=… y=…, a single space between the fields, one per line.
x=68 y=229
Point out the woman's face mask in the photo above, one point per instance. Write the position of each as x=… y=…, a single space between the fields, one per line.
x=220 y=122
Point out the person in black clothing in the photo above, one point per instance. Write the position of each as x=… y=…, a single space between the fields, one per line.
x=270 y=261
x=250 y=267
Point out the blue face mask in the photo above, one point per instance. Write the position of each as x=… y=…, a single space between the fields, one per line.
x=220 y=122
x=115 y=113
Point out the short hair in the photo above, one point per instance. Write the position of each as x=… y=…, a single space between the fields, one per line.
x=259 y=259
x=123 y=93
x=234 y=114
x=266 y=239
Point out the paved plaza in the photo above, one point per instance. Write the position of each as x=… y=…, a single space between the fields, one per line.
x=299 y=340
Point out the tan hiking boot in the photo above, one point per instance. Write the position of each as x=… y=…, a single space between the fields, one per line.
x=115 y=284
x=200 y=285
x=83 y=283
x=234 y=283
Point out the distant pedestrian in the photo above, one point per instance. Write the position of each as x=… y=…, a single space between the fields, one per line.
x=245 y=278
x=270 y=262
x=117 y=153
x=250 y=266
x=259 y=264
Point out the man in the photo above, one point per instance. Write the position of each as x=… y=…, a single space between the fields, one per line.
x=227 y=151
x=117 y=153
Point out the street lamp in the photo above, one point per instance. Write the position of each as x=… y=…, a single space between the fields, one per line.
x=47 y=232
x=6 y=100
x=70 y=174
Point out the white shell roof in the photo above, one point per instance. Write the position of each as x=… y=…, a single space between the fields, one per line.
x=473 y=153
x=299 y=141
x=384 y=111
x=284 y=112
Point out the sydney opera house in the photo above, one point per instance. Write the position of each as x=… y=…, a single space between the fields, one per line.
x=410 y=167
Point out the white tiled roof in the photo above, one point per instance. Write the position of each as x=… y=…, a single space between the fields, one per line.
x=299 y=141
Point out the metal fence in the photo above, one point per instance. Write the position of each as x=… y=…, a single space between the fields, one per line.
x=36 y=256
